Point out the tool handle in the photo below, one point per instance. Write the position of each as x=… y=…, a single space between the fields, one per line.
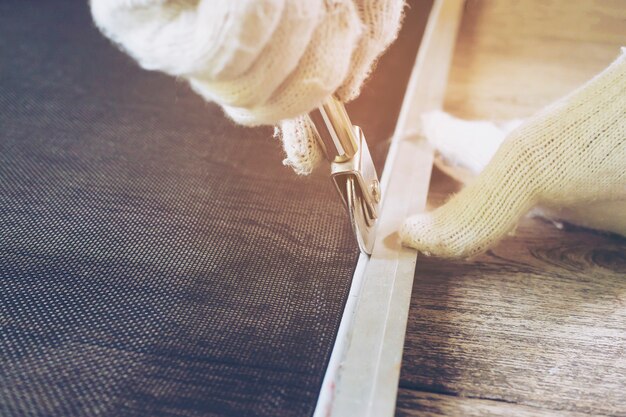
x=335 y=130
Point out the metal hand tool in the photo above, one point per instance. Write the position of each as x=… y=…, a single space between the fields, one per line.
x=352 y=168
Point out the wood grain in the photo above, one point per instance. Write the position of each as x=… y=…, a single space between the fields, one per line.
x=537 y=326
x=514 y=57
x=424 y=404
x=539 y=321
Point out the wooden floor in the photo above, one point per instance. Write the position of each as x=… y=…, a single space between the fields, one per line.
x=537 y=326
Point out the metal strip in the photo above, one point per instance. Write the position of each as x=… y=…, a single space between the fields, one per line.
x=364 y=368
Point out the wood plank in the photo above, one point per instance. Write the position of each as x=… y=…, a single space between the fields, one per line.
x=514 y=57
x=539 y=321
x=424 y=404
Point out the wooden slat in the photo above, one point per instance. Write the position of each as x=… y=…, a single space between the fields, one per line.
x=514 y=57
x=538 y=321
x=424 y=404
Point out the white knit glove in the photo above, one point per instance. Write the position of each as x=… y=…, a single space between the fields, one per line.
x=263 y=61
x=569 y=158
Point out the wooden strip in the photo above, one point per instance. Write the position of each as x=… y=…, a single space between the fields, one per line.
x=366 y=382
x=540 y=320
x=425 y=404
x=515 y=57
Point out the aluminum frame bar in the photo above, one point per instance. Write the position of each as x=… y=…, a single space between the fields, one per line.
x=364 y=369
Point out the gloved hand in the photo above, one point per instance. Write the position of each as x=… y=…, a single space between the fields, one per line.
x=263 y=61
x=571 y=154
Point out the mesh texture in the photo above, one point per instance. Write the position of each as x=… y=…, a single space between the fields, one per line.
x=155 y=259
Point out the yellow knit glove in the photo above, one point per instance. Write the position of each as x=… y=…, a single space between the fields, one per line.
x=570 y=154
x=265 y=62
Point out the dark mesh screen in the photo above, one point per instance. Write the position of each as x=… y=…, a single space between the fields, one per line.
x=155 y=259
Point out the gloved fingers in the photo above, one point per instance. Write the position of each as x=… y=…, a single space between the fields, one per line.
x=469 y=224
x=263 y=61
x=481 y=214
x=213 y=38
x=569 y=154
x=301 y=144
x=380 y=24
x=281 y=55
x=322 y=68
x=381 y=20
